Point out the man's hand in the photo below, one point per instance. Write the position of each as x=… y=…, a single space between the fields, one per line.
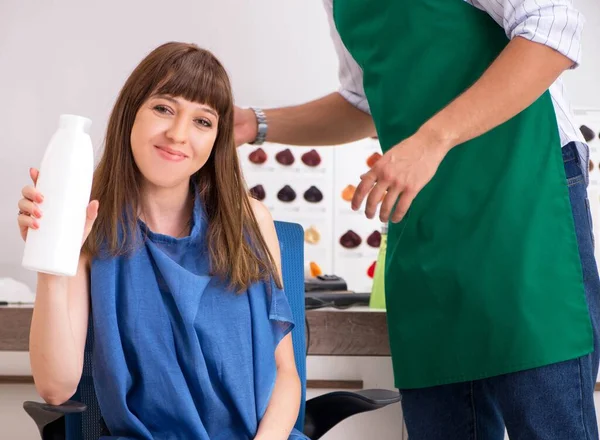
x=245 y=126
x=401 y=173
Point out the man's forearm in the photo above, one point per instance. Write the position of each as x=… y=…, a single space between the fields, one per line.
x=330 y=120
x=519 y=76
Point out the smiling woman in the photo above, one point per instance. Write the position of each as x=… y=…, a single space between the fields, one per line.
x=181 y=271
x=184 y=108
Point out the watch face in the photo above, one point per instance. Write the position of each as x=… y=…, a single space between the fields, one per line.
x=262 y=131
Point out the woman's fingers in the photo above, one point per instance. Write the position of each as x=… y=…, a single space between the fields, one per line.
x=29 y=192
x=34 y=173
x=28 y=207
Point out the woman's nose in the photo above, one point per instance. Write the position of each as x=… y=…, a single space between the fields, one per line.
x=177 y=132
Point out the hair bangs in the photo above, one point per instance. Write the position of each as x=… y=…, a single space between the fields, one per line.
x=198 y=78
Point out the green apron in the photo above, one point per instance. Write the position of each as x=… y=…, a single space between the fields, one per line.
x=483 y=275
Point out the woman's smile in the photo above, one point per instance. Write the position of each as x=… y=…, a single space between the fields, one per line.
x=170 y=154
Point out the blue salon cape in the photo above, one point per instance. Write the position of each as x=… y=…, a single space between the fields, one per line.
x=176 y=354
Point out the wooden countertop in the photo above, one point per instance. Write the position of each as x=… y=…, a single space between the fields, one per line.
x=356 y=331
x=14 y=328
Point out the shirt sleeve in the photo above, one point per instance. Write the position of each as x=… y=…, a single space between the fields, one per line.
x=280 y=312
x=553 y=23
x=349 y=72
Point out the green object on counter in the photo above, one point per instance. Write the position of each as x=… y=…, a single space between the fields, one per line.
x=377 y=300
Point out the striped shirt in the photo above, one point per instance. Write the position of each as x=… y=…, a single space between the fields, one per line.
x=554 y=23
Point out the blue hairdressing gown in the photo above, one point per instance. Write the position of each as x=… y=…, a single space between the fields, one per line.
x=176 y=354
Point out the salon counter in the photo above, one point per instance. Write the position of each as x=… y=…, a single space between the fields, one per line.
x=356 y=331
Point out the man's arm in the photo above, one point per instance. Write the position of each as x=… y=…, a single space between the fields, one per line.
x=553 y=23
x=330 y=120
x=546 y=41
x=335 y=119
x=521 y=73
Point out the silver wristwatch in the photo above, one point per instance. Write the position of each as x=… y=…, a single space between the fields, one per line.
x=261 y=133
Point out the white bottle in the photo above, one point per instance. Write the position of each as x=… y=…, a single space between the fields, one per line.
x=65 y=181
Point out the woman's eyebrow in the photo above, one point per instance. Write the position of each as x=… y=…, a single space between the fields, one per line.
x=175 y=101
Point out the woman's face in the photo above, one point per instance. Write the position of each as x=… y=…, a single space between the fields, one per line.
x=172 y=138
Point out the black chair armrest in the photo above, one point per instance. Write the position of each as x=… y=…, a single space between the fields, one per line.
x=326 y=411
x=50 y=418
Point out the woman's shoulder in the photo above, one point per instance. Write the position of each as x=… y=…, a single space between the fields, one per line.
x=266 y=225
x=261 y=212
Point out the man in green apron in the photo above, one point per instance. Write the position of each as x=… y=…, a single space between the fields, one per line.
x=492 y=288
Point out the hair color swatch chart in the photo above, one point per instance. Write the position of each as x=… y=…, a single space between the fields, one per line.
x=356 y=238
x=313 y=187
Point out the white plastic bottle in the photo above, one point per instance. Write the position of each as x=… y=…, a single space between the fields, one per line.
x=65 y=181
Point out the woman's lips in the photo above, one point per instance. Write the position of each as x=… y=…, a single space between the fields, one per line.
x=170 y=154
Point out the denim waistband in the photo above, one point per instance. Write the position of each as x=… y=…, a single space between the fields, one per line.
x=569 y=152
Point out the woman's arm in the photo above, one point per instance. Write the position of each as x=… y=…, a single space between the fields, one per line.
x=60 y=314
x=58 y=333
x=283 y=408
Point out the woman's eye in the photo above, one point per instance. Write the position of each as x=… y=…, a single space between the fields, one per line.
x=204 y=122
x=161 y=109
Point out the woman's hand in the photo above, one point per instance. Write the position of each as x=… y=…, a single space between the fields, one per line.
x=30 y=214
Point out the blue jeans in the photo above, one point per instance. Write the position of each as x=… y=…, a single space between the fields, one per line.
x=555 y=402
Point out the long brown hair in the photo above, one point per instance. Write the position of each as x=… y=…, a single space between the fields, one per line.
x=237 y=251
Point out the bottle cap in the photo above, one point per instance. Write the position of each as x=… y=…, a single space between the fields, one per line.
x=75 y=122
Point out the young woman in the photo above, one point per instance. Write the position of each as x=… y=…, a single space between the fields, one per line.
x=180 y=269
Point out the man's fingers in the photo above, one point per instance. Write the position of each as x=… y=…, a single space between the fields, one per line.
x=406 y=199
x=363 y=188
x=388 y=204
x=377 y=194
